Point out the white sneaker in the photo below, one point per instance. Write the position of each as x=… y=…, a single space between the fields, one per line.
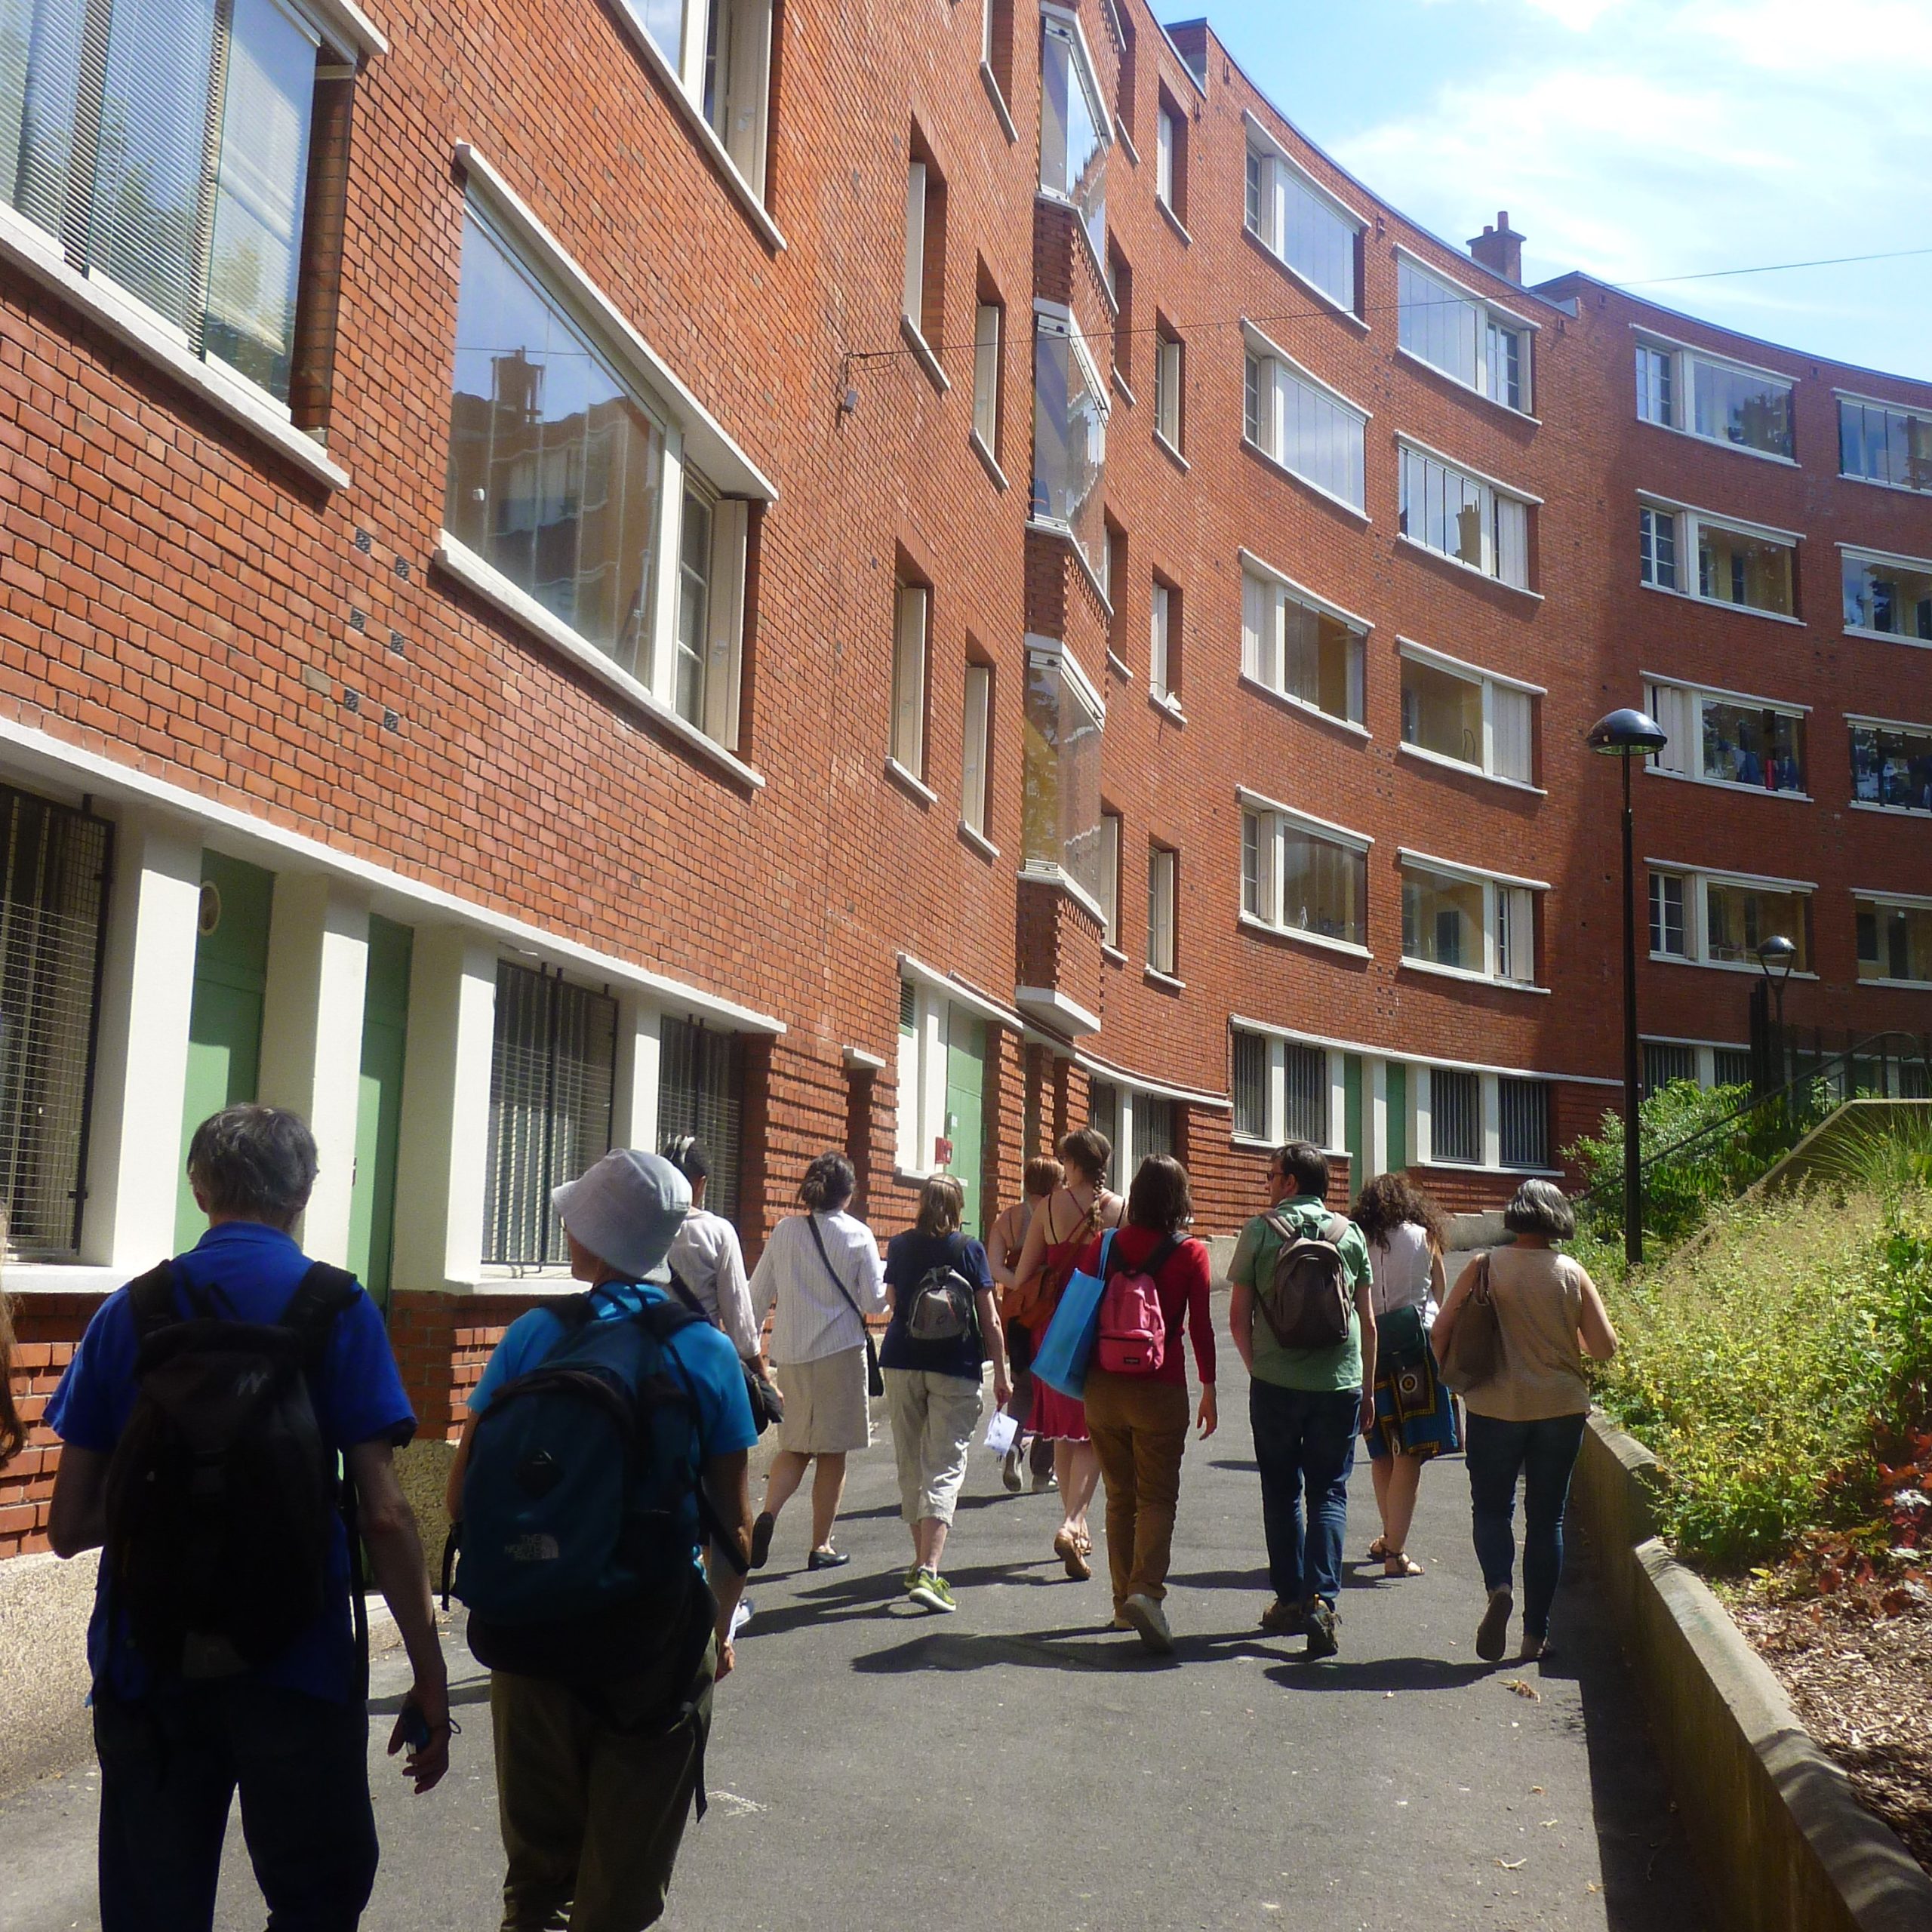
x=1151 y=1620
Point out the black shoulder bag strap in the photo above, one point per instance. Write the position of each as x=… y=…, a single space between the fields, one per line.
x=151 y=1298
x=681 y=1289
x=875 y=1382
x=664 y=1320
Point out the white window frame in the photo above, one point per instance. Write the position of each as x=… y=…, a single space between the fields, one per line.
x=1864 y=553
x=1489 y=315
x=1052 y=318
x=1166 y=139
x=912 y=654
x=1704 y=1053
x=1678 y=706
x=1489 y=1102
x=1497 y=689
x=921 y=1072
x=1688 y=523
x=918 y=213
x=988 y=344
x=1697 y=913
x=1282 y=174
x=1683 y=358
x=1273 y=823
x=1922 y=412
x=1260 y=656
x=1111 y=840
x=1863 y=898
x=975 y=753
x=1275 y=1090
x=1160 y=640
x=1855 y=722
x=1163 y=910
x=1170 y=368
x=1281 y=374
x=1063 y=23
x=1492 y=492
x=1508 y=923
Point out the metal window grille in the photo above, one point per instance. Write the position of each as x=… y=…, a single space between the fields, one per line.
x=1455 y=1110
x=1524 y=1107
x=53 y=902
x=1308 y=1095
x=552 y=1072
x=1103 y=1116
x=1665 y=1061
x=1251 y=1085
x=700 y=1090
x=1731 y=1066
x=1153 y=1127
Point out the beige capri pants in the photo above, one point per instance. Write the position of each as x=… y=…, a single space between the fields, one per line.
x=933 y=1417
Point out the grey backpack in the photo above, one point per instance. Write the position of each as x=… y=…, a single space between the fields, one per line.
x=943 y=1305
x=1306 y=1299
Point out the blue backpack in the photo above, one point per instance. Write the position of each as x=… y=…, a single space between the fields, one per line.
x=576 y=1557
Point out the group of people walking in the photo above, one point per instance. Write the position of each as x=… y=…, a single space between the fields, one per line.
x=219 y=1410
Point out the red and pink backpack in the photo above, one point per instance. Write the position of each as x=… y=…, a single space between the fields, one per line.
x=1132 y=1338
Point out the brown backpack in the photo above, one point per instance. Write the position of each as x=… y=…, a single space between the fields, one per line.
x=1306 y=1299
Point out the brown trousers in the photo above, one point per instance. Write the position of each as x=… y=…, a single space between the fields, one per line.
x=1140 y=1432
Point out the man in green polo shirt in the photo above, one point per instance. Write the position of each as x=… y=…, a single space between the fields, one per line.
x=1306 y=1405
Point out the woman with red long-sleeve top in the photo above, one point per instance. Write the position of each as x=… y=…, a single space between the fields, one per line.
x=1139 y=1421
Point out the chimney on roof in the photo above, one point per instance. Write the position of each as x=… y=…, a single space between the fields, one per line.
x=1500 y=249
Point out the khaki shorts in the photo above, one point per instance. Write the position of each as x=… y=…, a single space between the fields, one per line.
x=826 y=1410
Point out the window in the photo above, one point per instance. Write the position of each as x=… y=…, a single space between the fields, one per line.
x=1282 y=1090
x=1668 y=935
x=165 y=144
x=922 y=300
x=989 y=330
x=996 y=44
x=1310 y=1095
x=1168 y=368
x=552 y=1069
x=975 y=775
x=1103 y=1116
x=938 y=1040
x=1306 y=426
x=1891 y=765
x=1250 y=1085
x=568 y=481
x=1301 y=222
x=1888 y=596
x=721 y=52
x=1109 y=894
x=1894 y=939
x=911 y=605
x=1738 y=563
x=1728 y=739
x=1164 y=641
x=1722 y=918
x=1705 y=395
x=1075 y=134
x=1069 y=436
x=700 y=1090
x=1666 y=1061
x=1120 y=286
x=53 y=873
x=1170 y=160
x=1452 y=711
x=1163 y=865
x=1122 y=29
x=1113 y=585
x=1468 y=922
x=1061 y=771
x=1882 y=443
x=1523 y=1106
x=1300 y=647
x=1465 y=517
x=1455 y=1116
x=1440 y=322
x=1303 y=875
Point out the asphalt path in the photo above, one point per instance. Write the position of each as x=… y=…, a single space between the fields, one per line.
x=874 y=1765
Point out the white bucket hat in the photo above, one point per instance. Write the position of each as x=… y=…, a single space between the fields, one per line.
x=626 y=1210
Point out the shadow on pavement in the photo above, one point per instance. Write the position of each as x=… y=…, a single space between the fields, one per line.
x=1340 y=1673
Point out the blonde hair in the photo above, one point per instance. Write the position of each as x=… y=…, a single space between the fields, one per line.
x=942 y=1206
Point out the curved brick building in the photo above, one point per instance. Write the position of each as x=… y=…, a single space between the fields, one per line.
x=894 y=577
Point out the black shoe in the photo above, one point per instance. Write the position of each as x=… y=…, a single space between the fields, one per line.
x=761 y=1531
x=1322 y=1639
x=827 y=1558
x=1493 y=1632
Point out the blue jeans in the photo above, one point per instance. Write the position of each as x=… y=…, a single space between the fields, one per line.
x=1304 y=1439
x=1543 y=1453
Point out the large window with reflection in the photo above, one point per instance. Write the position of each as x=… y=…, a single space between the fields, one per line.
x=1061 y=773
x=1074 y=132
x=1069 y=437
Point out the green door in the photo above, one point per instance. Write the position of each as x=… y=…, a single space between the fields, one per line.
x=1396 y=1077
x=1353 y=1137
x=224 y=1021
x=965 y=1102
x=379 y=1108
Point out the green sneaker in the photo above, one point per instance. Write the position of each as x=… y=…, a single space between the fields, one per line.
x=934 y=1591
x=910 y=1577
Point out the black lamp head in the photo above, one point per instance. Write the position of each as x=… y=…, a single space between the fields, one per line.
x=1628 y=733
x=1777 y=955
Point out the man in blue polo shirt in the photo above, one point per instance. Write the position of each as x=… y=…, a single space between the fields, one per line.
x=291 y=1733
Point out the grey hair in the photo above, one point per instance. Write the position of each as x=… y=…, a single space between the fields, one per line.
x=255 y=1164
x=1540 y=1207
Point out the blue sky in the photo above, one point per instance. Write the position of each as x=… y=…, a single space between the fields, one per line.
x=1641 y=138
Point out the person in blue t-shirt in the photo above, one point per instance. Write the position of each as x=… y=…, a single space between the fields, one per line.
x=593 y=1790
x=292 y=1735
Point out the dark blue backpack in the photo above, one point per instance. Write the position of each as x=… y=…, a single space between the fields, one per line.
x=577 y=1546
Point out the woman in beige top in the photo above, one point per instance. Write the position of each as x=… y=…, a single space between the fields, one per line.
x=1527 y=1419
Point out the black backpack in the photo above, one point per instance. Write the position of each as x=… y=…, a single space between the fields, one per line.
x=221 y=1495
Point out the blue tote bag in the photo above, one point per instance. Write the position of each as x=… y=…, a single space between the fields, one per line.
x=1061 y=1360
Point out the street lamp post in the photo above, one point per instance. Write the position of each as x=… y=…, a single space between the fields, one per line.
x=1626 y=734
x=1776 y=956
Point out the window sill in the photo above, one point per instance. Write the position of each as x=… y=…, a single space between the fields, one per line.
x=1468 y=389
x=1307 y=710
x=1113 y=953
x=904 y=776
x=1471 y=979
x=990 y=82
x=1166 y=982
x=1890 y=811
x=1280 y=469
x=1897 y=986
x=1303 y=936
x=1728 y=785
x=1048 y=526
x=1117 y=666
x=247 y=407
x=1168 y=706
x=1041 y=872
x=1881 y=483
x=1302 y=282
x=1721 y=443
x=1891 y=637
x=1715 y=604
x=1125 y=394
x=62 y=1278
x=1174 y=222
x=461 y=562
x=1490 y=1168
x=1721 y=965
x=1173 y=454
x=923 y=355
x=988 y=461
x=701 y=129
x=979 y=842
x=1468 y=570
x=1456 y=764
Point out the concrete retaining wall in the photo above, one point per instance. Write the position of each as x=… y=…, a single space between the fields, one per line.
x=1786 y=1846
x=44 y=1605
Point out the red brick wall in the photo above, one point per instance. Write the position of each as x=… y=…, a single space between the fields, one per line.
x=45 y=1329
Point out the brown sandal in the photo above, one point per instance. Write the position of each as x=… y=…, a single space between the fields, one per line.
x=1378 y=1549
x=1067 y=1548
x=1397 y=1563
